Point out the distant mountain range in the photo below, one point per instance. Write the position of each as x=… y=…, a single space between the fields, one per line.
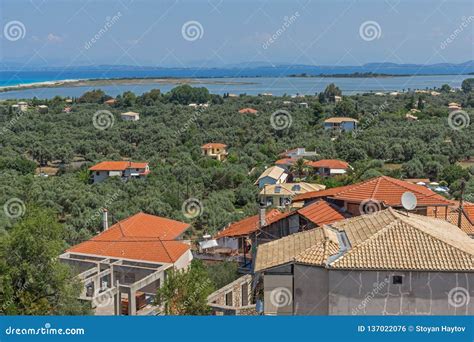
x=252 y=69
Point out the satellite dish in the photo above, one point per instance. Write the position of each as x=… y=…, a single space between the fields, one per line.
x=409 y=201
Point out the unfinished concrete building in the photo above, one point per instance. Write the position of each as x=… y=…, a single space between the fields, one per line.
x=123 y=266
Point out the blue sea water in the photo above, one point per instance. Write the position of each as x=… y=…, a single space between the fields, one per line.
x=271 y=82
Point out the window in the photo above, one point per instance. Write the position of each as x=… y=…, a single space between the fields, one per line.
x=296 y=187
x=97 y=173
x=397 y=280
x=245 y=294
x=277 y=189
x=228 y=299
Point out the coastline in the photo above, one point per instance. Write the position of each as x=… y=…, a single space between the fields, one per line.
x=115 y=81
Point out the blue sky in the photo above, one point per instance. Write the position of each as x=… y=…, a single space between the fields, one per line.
x=317 y=32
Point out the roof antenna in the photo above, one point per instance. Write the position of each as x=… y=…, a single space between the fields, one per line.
x=409 y=201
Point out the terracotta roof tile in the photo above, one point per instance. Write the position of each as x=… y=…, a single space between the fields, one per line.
x=321 y=213
x=468 y=209
x=385 y=240
x=390 y=240
x=214 y=145
x=329 y=163
x=310 y=247
x=139 y=237
x=340 y=120
x=154 y=251
x=117 y=166
x=384 y=189
x=249 y=225
x=248 y=111
x=467 y=217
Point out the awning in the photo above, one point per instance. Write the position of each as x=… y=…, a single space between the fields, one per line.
x=208 y=244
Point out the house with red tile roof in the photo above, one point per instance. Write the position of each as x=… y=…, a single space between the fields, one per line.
x=243 y=235
x=329 y=167
x=127 y=262
x=248 y=111
x=215 y=150
x=340 y=124
x=110 y=102
x=130 y=116
x=379 y=193
x=298 y=152
x=311 y=216
x=388 y=256
x=247 y=226
x=123 y=169
x=463 y=217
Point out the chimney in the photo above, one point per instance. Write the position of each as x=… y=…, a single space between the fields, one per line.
x=261 y=217
x=105 y=219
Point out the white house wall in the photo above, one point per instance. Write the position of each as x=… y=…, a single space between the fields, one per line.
x=184 y=260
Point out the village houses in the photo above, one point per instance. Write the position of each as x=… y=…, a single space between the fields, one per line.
x=405 y=263
x=340 y=124
x=215 y=150
x=122 y=169
x=130 y=116
x=272 y=175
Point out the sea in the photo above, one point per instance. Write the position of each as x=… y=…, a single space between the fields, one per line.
x=241 y=84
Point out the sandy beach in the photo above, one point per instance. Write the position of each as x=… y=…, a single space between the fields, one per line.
x=116 y=82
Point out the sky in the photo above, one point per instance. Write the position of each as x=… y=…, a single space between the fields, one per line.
x=213 y=33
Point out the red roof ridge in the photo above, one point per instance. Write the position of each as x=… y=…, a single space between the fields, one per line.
x=347 y=192
x=376 y=187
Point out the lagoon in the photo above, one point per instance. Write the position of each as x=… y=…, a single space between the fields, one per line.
x=256 y=85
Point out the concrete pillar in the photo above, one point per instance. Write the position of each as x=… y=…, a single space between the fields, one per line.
x=117 y=300
x=132 y=303
x=117 y=304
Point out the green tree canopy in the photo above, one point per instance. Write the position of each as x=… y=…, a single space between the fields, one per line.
x=185 y=292
x=467 y=85
x=32 y=279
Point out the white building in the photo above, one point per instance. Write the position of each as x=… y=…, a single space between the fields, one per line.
x=130 y=116
x=123 y=169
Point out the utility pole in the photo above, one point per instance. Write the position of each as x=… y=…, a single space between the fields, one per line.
x=463 y=187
